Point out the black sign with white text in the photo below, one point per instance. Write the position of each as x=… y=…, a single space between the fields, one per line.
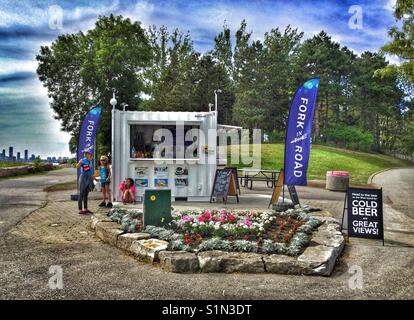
x=293 y=195
x=365 y=215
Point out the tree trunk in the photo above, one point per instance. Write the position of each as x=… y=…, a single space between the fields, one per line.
x=316 y=130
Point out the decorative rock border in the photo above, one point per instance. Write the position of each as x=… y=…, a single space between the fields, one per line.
x=318 y=258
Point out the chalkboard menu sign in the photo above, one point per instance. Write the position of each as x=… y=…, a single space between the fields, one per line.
x=224 y=185
x=293 y=195
x=365 y=214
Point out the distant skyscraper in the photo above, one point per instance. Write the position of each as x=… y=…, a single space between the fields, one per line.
x=26 y=155
x=4 y=153
x=11 y=153
x=32 y=157
x=18 y=156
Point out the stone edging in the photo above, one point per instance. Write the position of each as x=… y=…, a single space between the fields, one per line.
x=318 y=258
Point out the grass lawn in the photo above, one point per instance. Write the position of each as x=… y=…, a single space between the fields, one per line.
x=322 y=158
x=62 y=186
x=12 y=164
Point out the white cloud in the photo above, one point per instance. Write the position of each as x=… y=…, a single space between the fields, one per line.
x=390 y=5
x=8 y=66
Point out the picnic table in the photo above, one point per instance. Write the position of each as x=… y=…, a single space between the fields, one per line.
x=247 y=176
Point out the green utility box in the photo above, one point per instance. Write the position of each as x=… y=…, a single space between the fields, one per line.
x=157 y=207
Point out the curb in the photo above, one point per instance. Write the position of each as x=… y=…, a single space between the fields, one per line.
x=371 y=177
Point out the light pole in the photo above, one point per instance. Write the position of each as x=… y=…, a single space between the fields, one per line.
x=215 y=97
x=113 y=101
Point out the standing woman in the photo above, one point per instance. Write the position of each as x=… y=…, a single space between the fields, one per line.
x=85 y=182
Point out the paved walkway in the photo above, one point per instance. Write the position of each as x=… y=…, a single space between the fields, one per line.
x=21 y=196
x=398 y=189
x=54 y=234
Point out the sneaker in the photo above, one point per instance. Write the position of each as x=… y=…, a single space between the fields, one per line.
x=109 y=205
x=102 y=204
x=83 y=212
x=88 y=211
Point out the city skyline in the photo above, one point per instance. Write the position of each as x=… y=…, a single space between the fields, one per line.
x=10 y=154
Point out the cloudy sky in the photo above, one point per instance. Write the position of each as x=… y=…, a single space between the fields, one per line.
x=25 y=117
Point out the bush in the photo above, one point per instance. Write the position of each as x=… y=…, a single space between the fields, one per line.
x=351 y=137
x=37 y=164
x=276 y=136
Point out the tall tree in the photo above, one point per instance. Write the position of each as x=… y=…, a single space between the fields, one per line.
x=402 y=43
x=278 y=69
x=171 y=76
x=249 y=108
x=374 y=97
x=83 y=69
x=321 y=57
x=211 y=75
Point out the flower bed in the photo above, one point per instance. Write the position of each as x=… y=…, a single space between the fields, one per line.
x=130 y=220
x=234 y=231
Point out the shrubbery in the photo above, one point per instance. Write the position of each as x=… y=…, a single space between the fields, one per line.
x=37 y=164
x=277 y=136
x=350 y=137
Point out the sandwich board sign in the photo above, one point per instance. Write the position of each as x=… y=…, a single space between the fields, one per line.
x=236 y=176
x=277 y=189
x=224 y=185
x=364 y=213
x=293 y=195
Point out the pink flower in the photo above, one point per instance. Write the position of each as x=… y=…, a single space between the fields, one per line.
x=201 y=219
x=248 y=222
x=207 y=215
x=231 y=217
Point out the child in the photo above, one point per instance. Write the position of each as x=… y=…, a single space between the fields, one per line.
x=104 y=179
x=128 y=191
x=85 y=182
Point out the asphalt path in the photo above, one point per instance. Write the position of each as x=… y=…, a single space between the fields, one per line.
x=21 y=196
x=398 y=189
x=98 y=271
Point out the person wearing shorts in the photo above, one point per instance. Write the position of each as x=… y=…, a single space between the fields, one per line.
x=104 y=180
